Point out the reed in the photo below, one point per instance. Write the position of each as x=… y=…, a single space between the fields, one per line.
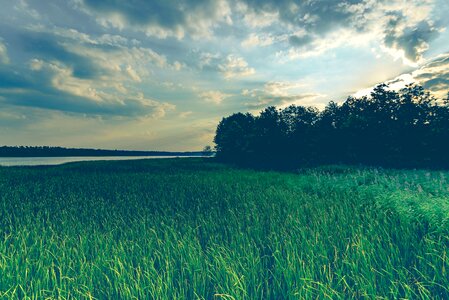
x=196 y=229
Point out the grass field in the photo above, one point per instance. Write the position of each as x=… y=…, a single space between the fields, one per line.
x=191 y=228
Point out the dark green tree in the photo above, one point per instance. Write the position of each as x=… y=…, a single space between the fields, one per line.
x=405 y=128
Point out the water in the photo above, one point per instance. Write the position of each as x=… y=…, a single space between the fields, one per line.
x=46 y=161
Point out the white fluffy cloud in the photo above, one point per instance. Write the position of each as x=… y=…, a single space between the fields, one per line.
x=216 y=97
x=255 y=40
x=235 y=67
x=281 y=94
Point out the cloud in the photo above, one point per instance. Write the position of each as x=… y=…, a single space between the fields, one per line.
x=402 y=29
x=4 y=58
x=301 y=40
x=161 y=18
x=185 y=114
x=255 y=40
x=207 y=60
x=52 y=85
x=397 y=83
x=46 y=47
x=282 y=88
x=133 y=74
x=235 y=67
x=256 y=19
x=22 y=6
x=433 y=76
x=409 y=41
x=281 y=94
x=93 y=56
x=73 y=34
x=214 y=96
x=231 y=66
x=317 y=17
x=72 y=71
x=120 y=62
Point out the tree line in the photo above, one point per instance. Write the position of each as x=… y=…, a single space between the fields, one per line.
x=47 y=151
x=405 y=128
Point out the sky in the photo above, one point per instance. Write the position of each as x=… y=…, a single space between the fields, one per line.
x=161 y=74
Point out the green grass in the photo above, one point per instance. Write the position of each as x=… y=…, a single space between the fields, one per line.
x=191 y=228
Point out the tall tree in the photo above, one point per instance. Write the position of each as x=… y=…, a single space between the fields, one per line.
x=406 y=128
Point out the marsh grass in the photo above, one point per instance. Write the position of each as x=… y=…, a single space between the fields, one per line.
x=192 y=228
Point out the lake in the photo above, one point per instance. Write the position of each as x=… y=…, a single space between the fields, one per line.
x=45 y=161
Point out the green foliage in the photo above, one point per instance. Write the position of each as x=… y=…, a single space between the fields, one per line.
x=207 y=151
x=192 y=228
x=406 y=128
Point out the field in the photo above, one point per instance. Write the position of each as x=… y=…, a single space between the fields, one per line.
x=192 y=228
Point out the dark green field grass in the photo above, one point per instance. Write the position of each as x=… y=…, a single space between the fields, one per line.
x=192 y=228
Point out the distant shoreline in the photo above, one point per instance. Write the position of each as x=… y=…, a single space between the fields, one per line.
x=52 y=161
x=44 y=151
